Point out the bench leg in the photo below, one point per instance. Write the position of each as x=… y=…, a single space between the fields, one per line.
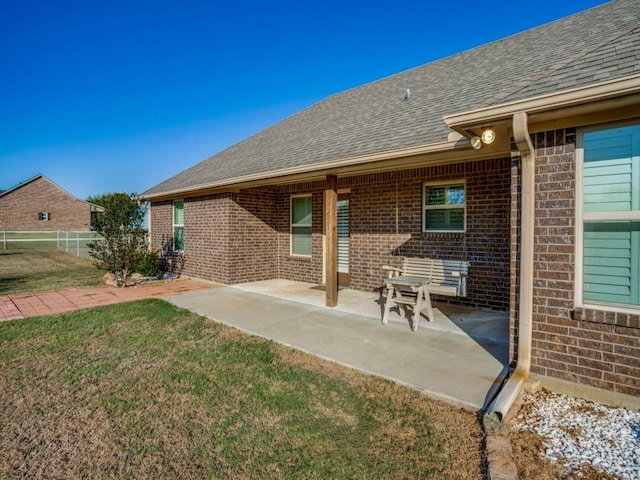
x=423 y=301
x=417 y=308
x=427 y=301
x=387 y=304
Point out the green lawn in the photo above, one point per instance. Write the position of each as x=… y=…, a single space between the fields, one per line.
x=37 y=269
x=147 y=390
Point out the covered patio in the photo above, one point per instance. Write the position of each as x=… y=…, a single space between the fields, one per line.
x=461 y=357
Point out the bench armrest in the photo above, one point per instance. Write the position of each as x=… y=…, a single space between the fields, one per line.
x=393 y=271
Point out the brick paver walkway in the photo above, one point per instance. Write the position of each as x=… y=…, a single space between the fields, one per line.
x=13 y=307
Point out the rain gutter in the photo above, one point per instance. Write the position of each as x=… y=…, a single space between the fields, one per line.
x=512 y=388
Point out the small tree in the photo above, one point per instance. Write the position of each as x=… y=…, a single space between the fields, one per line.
x=122 y=234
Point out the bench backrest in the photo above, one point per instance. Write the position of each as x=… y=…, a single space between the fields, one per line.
x=443 y=273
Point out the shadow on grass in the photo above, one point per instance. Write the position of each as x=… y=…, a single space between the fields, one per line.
x=36 y=270
x=11 y=284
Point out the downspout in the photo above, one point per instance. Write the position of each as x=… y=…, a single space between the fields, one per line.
x=500 y=407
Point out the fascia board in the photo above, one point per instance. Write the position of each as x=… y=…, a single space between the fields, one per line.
x=464 y=121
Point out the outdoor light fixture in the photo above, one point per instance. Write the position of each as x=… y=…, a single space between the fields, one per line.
x=488 y=136
x=476 y=143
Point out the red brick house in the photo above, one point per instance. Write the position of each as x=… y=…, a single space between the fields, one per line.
x=521 y=156
x=38 y=204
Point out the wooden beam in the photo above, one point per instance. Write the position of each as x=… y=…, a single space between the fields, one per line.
x=331 y=232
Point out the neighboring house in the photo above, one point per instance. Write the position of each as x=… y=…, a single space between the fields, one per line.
x=521 y=156
x=39 y=204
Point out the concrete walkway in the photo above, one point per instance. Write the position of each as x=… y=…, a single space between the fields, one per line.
x=447 y=365
x=14 y=307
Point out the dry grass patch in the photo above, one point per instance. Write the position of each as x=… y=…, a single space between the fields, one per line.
x=147 y=390
x=35 y=270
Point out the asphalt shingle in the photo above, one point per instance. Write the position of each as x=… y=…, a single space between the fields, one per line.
x=596 y=45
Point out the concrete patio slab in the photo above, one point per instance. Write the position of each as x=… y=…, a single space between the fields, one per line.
x=446 y=364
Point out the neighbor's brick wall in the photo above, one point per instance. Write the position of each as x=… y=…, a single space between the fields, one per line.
x=591 y=347
x=20 y=209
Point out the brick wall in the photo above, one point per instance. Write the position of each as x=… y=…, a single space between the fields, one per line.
x=228 y=238
x=208 y=237
x=245 y=236
x=584 y=346
x=21 y=208
x=386 y=224
x=294 y=267
x=254 y=247
x=161 y=225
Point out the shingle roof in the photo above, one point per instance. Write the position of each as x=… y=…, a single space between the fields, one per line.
x=599 y=44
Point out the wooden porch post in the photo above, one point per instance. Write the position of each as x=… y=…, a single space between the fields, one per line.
x=331 y=231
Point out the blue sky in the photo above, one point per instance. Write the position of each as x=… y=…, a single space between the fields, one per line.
x=118 y=96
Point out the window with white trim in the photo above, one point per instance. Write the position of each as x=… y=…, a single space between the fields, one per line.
x=609 y=163
x=445 y=207
x=178 y=225
x=301 y=243
x=44 y=216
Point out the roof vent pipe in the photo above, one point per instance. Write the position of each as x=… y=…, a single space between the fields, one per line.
x=407 y=94
x=500 y=407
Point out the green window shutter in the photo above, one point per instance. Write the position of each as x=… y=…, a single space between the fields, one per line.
x=611 y=183
x=178 y=225
x=301 y=210
x=301 y=240
x=178 y=212
x=608 y=172
x=611 y=262
x=301 y=232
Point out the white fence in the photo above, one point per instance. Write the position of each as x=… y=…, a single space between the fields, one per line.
x=72 y=242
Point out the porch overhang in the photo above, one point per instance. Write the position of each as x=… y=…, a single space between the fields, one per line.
x=432 y=154
x=607 y=101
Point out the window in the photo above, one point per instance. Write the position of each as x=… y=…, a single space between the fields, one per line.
x=45 y=216
x=444 y=207
x=178 y=225
x=610 y=208
x=301 y=225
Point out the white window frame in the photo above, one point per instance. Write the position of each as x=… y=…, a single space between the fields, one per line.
x=426 y=207
x=581 y=216
x=305 y=225
x=44 y=216
x=181 y=225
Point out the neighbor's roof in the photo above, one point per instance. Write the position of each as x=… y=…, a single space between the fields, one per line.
x=94 y=207
x=587 y=48
x=26 y=182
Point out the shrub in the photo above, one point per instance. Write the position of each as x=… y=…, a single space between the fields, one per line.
x=147 y=263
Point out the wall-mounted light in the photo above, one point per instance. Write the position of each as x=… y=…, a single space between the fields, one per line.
x=476 y=143
x=488 y=136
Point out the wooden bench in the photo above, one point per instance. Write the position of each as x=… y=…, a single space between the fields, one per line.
x=418 y=278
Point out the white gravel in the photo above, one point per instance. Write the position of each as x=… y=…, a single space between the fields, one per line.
x=579 y=433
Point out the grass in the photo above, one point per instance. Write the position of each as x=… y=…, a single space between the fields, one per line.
x=34 y=269
x=147 y=390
